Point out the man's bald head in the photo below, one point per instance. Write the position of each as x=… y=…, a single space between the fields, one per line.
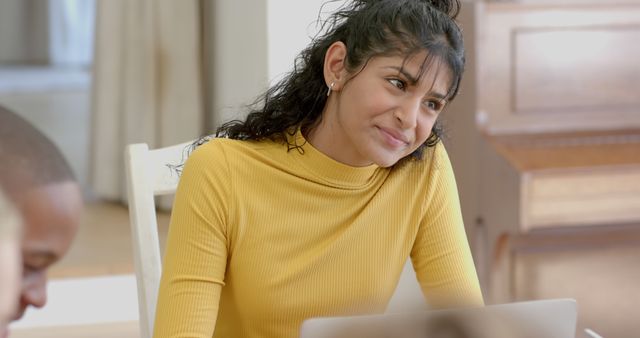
x=28 y=158
x=40 y=183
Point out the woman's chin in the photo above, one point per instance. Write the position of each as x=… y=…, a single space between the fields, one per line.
x=385 y=164
x=386 y=161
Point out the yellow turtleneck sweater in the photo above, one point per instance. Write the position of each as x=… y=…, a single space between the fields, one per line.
x=263 y=237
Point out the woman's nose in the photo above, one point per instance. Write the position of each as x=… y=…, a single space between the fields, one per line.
x=407 y=114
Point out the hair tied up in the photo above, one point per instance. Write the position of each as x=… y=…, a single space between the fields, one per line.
x=449 y=7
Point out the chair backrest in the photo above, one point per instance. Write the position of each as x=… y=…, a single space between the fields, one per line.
x=150 y=173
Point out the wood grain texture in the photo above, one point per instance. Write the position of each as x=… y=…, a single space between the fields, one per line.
x=541 y=151
x=583 y=69
x=563 y=67
x=587 y=196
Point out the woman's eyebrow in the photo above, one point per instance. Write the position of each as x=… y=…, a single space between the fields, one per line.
x=412 y=79
x=438 y=96
x=43 y=257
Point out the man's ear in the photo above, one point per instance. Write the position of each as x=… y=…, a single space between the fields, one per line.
x=334 y=65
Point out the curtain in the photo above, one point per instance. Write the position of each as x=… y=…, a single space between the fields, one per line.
x=24 y=27
x=71 y=24
x=147 y=83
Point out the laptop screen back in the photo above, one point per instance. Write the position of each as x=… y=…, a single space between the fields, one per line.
x=554 y=318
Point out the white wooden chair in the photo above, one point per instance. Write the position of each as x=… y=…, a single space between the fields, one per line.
x=150 y=173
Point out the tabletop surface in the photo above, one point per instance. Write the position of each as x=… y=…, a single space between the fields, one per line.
x=106 y=330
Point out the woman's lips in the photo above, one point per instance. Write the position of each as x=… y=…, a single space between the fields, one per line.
x=393 y=138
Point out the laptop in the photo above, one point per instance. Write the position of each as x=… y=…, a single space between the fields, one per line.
x=552 y=318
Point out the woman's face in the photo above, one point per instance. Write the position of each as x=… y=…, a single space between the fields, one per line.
x=384 y=112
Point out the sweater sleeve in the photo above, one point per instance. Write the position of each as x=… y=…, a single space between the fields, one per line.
x=441 y=255
x=196 y=252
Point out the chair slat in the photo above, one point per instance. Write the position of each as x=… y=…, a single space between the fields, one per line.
x=149 y=173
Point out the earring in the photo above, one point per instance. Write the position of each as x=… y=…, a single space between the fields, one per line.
x=330 y=88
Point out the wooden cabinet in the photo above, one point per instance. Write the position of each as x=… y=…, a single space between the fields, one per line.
x=545 y=136
x=535 y=185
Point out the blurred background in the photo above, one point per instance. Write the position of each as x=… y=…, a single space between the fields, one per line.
x=544 y=136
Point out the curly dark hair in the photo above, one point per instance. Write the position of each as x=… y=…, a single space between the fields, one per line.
x=368 y=28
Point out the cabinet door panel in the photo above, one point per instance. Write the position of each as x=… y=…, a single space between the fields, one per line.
x=558 y=68
x=581 y=69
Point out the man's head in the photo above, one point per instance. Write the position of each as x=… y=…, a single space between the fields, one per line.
x=40 y=183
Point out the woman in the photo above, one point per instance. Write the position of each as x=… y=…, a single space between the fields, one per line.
x=311 y=206
x=10 y=263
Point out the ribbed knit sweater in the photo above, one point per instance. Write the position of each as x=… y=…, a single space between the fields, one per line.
x=264 y=235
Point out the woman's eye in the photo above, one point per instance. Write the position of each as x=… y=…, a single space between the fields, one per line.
x=397 y=83
x=434 y=105
x=30 y=268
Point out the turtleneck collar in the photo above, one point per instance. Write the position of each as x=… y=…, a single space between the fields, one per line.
x=330 y=170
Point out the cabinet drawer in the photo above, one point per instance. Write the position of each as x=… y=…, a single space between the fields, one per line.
x=568 y=197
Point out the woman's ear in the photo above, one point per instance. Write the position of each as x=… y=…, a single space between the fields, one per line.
x=334 y=65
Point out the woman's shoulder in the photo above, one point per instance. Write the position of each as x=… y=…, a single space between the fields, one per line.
x=235 y=145
x=225 y=149
x=433 y=158
x=440 y=157
x=206 y=147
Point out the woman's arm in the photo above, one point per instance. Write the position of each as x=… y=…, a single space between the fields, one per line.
x=196 y=253
x=441 y=255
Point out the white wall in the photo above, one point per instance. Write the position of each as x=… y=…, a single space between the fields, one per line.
x=254 y=43
x=238 y=64
x=57 y=102
x=290 y=26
